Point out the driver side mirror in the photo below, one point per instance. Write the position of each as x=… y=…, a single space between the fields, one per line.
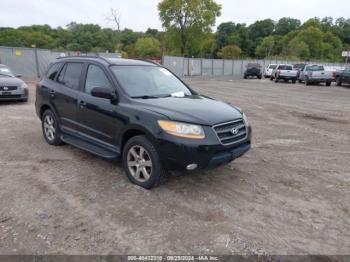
x=19 y=76
x=104 y=92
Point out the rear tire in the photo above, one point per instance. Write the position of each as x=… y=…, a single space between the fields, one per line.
x=328 y=83
x=142 y=163
x=294 y=81
x=51 y=128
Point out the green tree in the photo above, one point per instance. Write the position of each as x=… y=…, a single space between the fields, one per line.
x=148 y=47
x=286 y=25
x=188 y=18
x=230 y=52
x=266 y=48
x=313 y=37
x=298 y=49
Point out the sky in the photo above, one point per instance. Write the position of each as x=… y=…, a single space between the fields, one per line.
x=142 y=14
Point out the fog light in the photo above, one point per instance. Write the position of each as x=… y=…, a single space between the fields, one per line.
x=192 y=167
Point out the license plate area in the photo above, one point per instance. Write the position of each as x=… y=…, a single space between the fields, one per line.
x=6 y=93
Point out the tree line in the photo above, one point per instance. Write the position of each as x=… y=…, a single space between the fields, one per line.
x=188 y=31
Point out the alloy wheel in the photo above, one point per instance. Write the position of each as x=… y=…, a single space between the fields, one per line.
x=49 y=128
x=139 y=163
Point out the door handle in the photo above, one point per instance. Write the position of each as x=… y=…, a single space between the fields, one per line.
x=82 y=104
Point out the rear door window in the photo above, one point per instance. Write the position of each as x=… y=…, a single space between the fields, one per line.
x=70 y=75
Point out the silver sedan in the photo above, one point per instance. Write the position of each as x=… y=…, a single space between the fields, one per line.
x=11 y=87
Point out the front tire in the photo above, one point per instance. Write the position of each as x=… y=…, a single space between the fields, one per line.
x=339 y=83
x=142 y=163
x=328 y=83
x=51 y=128
x=307 y=83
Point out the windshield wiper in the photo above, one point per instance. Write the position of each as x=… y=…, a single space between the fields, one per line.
x=146 y=97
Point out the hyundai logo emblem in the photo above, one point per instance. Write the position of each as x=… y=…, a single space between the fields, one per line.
x=234 y=131
x=6 y=88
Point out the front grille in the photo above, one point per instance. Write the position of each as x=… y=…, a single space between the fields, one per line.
x=225 y=134
x=10 y=96
x=8 y=88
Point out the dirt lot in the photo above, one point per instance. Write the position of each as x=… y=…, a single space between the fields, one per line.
x=288 y=195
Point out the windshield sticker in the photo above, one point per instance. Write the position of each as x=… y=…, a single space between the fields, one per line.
x=165 y=72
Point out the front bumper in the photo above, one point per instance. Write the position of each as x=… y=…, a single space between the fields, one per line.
x=177 y=155
x=15 y=95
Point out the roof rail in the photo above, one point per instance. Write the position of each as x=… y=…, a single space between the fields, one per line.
x=149 y=61
x=85 y=56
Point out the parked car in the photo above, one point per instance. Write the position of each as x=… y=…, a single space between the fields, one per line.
x=343 y=77
x=253 y=70
x=139 y=112
x=269 y=69
x=284 y=72
x=11 y=87
x=316 y=74
x=299 y=68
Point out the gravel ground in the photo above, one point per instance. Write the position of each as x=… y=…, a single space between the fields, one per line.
x=288 y=195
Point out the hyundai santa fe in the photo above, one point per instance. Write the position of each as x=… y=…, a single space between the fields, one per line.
x=139 y=112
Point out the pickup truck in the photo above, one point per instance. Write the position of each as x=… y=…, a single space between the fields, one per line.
x=315 y=74
x=343 y=77
x=284 y=72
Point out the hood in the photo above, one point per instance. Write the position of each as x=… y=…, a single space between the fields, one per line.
x=194 y=109
x=10 y=81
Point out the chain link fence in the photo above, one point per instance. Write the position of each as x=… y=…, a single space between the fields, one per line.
x=32 y=62
x=222 y=67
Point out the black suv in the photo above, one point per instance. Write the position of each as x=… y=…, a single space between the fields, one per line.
x=253 y=69
x=140 y=112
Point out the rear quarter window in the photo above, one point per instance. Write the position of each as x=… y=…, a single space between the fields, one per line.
x=53 y=71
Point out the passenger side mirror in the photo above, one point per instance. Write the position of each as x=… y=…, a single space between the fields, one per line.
x=19 y=76
x=104 y=92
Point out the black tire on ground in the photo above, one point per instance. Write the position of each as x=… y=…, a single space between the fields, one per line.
x=259 y=77
x=338 y=81
x=300 y=81
x=294 y=81
x=245 y=77
x=24 y=100
x=56 y=140
x=307 y=83
x=276 y=80
x=328 y=83
x=157 y=173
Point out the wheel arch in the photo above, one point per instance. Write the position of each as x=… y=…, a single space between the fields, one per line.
x=135 y=130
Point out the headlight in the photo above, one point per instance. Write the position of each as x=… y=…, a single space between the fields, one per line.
x=182 y=129
x=245 y=119
x=23 y=86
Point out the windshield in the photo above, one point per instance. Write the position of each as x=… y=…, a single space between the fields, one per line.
x=285 y=67
x=148 y=81
x=272 y=66
x=299 y=66
x=5 y=71
x=315 y=68
x=250 y=66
